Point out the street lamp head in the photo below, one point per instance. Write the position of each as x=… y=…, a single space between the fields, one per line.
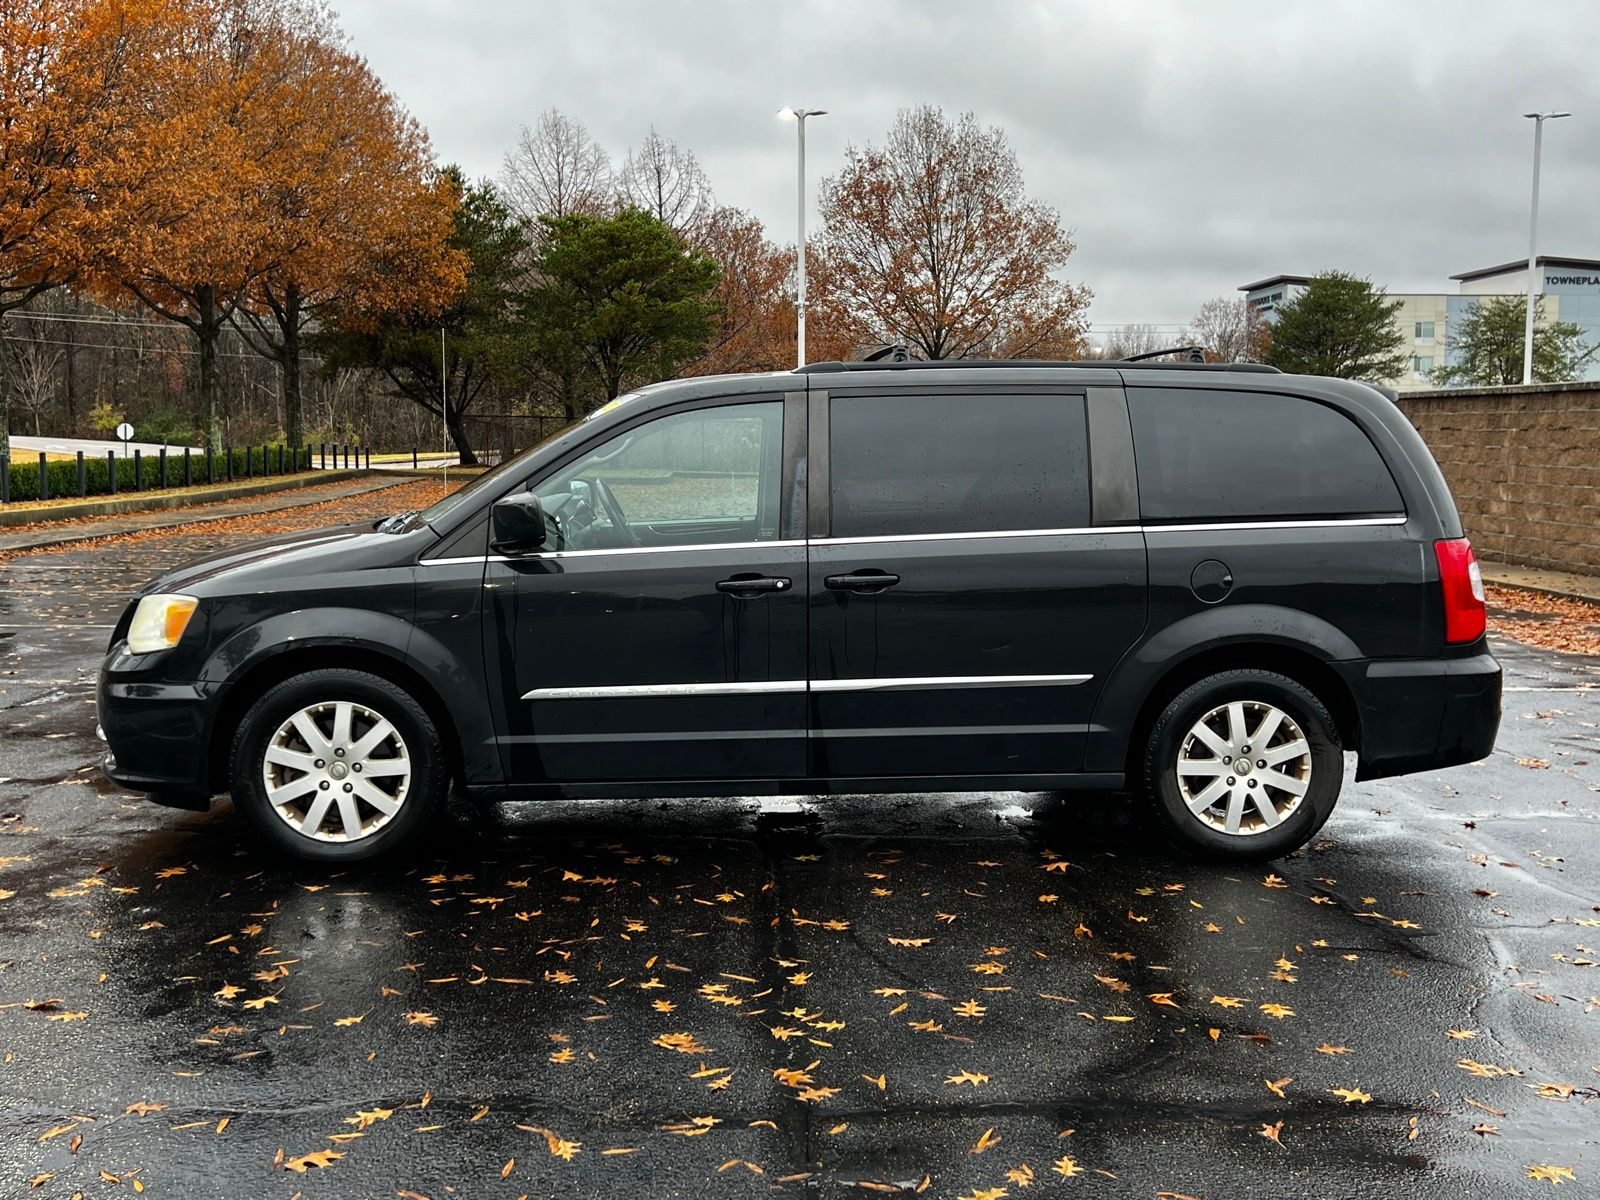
x=1549 y=116
x=800 y=114
x=788 y=114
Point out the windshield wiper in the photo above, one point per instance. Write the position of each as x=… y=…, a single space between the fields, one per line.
x=398 y=522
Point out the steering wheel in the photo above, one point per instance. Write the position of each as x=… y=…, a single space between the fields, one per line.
x=608 y=501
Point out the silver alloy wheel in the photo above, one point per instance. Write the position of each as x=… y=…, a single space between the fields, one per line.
x=336 y=771
x=1244 y=767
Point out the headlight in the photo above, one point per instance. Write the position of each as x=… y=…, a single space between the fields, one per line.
x=159 y=622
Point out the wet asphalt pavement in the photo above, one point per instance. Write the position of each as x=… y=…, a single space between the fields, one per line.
x=973 y=996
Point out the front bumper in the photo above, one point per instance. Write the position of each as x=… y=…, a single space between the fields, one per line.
x=156 y=732
x=1423 y=714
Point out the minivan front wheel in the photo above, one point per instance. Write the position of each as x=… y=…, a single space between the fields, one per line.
x=1244 y=764
x=337 y=766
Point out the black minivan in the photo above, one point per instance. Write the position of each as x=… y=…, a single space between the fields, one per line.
x=1205 y=582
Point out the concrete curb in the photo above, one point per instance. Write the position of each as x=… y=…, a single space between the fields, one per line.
x=156 y=500
x=1589 y=597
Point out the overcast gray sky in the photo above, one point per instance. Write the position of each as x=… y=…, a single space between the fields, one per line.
x=1191 y=147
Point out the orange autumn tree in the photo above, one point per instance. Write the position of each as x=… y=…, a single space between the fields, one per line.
x=360 y=221
x=835 y=331
x=225 y=139
x=755 y=295
x=77 y=84
x=932 y=241
x=754 y=325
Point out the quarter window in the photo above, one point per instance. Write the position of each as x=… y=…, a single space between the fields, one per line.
x=701 y=477
x=957 y=463
x=1217 y=456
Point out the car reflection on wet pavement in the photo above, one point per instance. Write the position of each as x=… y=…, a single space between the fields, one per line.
x=966 y=995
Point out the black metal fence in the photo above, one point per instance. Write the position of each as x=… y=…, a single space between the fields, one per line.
x=495 y=437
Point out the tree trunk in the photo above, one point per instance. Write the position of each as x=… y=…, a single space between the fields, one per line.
x=5 y=390
x=68 y=365
x=458 y=434
x=290 y=362
x=209 y=330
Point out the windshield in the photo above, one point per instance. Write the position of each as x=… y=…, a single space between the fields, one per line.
x=445 y=507
x=442 y=508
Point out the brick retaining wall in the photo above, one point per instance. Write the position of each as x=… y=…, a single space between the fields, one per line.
x=1524 y=464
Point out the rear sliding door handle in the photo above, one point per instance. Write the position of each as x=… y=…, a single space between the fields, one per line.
x=754 y=585
x=863 y=583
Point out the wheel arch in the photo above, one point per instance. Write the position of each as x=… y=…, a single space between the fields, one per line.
x=272 y=669
x=1298 y=664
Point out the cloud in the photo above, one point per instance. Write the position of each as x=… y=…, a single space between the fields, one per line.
x=1191 y=147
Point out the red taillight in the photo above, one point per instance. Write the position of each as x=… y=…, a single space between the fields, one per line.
x=1462 y=585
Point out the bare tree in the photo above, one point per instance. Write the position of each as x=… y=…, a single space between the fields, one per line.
x=666 y=180
x=35 y=378
x=1229 y=330
x=1138 y=339
x=932 y=241
x=556 y=169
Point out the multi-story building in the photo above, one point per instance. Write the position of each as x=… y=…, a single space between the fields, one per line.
x=1571 y=288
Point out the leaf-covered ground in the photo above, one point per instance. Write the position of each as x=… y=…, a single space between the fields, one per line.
x=1553 y=622
x=959 y=996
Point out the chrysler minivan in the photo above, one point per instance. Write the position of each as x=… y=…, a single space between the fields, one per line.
x=1207 y=584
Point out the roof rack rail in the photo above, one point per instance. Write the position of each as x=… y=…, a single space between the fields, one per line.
x=957 y=364
x=893 y=352
x=1191 y=354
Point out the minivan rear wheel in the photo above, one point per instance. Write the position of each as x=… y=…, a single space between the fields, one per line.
x=1244 y=764
x=337 y=766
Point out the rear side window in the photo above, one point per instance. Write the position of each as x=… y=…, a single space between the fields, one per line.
x=954 y=463
x=1207 y=455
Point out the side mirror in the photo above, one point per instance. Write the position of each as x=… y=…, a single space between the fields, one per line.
x=516 y=524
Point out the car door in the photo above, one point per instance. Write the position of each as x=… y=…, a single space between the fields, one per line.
x=969 y=589
x=659 y=635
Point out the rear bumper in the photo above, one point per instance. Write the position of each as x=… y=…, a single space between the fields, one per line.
x=1423 y=714
x=156 y=732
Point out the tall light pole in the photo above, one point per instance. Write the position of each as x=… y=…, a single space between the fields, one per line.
x=1538 y=120
x=799 y=115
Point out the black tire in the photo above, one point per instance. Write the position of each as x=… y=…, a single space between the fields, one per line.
x=1195 y=832
x=427 y=785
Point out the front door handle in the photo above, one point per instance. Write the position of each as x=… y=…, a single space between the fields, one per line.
x=754 y=585
x=862 y=583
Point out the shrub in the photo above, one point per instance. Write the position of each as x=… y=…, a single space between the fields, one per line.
x=165 y=425
x=62 y=474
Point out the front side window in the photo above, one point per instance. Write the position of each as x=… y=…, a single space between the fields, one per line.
x=957 y=463
x=703 y=477
x=1206 y=455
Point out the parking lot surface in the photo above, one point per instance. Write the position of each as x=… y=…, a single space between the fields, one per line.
x=964 y=996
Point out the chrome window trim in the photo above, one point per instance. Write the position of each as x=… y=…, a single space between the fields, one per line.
x=775 y=544
x=786 y=544
x=980 y=534
x=1329 y=523
x=796 y=543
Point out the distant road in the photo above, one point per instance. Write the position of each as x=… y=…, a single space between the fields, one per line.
x=89 y=446
x=93 y=448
